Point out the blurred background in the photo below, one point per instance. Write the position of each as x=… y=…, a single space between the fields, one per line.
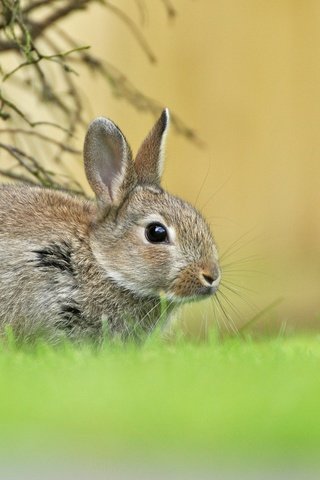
x=245 y=75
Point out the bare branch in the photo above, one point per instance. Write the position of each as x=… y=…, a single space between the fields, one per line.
x=38 y=28
x=18 y=177
x=45 y=61
x=4 y=102
x=39 y=135
x=37 y=172
x=54 y=57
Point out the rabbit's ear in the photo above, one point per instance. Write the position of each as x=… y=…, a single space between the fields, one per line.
x=108 y=163
x=149 y=159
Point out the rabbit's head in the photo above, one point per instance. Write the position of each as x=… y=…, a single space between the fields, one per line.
x=146 y=240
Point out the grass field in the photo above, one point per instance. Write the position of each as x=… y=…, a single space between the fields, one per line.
x=236 y=399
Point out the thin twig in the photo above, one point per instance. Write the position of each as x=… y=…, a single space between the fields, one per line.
x=40 y=57
x=39 y=135
x=36 y=29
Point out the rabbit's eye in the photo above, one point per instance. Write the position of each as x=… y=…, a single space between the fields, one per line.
x=156 y=233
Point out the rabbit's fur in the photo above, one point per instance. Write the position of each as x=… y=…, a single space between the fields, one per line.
x=68 y=266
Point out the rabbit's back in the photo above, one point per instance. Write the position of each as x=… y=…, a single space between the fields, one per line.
x=37 y=212
x=42 y=235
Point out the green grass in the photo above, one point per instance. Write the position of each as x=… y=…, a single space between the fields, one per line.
x=236 y=399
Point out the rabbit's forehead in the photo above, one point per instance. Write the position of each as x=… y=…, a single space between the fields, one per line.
x=149 y=202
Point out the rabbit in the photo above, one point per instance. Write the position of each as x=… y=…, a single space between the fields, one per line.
x=71 y=267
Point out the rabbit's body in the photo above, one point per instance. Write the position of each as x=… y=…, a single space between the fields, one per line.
x=50 y=282
x=68 y=266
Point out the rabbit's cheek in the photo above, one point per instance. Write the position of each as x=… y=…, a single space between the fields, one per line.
x=156 y=257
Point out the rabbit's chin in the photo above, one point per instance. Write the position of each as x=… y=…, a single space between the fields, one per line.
x=179 y=299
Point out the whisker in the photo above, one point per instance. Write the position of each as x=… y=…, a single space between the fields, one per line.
x=237 y=286
x=243 y=298
x=241 y=261
x=216 y=192
x=215 y=314
x=161 y=316
x=226 y=320
x=203 y=183
x=222 y=217
x=139 y=322
x=235 y=244
x=236 y=289
x=232 y=306
x=231 y=323
x=215 y=304
x=234 y=271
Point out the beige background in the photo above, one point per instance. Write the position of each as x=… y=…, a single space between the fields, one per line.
x=245 y=74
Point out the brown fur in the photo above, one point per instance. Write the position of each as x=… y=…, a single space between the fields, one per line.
x=69 y=266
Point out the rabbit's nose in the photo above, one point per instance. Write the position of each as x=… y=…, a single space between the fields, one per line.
x=210 y=277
